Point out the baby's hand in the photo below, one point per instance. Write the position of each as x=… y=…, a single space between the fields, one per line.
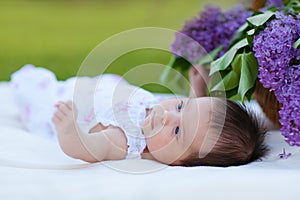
x=70 y=136
x=66 y=107
x=65 y=117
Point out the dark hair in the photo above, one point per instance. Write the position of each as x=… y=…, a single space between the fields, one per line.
x=241 y=140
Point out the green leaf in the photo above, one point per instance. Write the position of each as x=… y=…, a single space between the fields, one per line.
x=231 y=93
x=223 y=62
x=225 y=94
x=165 y=77
x=250 y=39
x=243 y=27
x=208 y=58
x=238 y=35
x=249 y=93
x=177 y=63
x=176 y=80
x=261 y=19
x=292 y=6
x=229 y=81
x=248 y=73
x=239 y=80
x=251 y=32
x=297 y=43
x=235 y=66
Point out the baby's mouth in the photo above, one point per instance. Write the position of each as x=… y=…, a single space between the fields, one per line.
x=148 y=121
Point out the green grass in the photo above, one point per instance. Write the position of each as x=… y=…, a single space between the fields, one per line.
x=60 y=34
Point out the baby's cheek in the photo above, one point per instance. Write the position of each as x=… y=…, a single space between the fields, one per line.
x=158 y=142
x=165 y=152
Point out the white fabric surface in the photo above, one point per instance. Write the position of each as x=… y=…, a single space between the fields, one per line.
x=34 y=168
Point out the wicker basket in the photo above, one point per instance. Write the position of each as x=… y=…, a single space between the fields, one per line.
x=268 y=103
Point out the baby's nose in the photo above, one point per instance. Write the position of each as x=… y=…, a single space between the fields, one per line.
x=168 y=117
x=164 y=119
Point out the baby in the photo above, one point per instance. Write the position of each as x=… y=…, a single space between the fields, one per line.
x=111 y=119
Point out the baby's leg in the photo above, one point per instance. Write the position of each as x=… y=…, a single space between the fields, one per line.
x=199 y=81
x=35 y=91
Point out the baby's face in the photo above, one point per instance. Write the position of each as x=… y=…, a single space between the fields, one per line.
x=175 y=128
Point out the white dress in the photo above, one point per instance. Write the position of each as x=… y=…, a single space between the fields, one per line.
x=107 y=98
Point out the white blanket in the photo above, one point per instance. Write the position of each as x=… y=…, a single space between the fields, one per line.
x=34 y=168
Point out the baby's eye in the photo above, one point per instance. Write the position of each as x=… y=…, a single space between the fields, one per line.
x=179 y=107
x=177 y=131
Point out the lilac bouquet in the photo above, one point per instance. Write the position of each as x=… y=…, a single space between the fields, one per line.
x=268 y=50
x=240 y=47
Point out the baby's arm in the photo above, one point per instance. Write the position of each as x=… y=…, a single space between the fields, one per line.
x=108 y=144
x=199 y=80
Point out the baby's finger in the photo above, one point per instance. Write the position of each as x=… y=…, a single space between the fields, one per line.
x=60 y=115
x=58 y=104
x=73 y=107
x=55 y=119
x=70 y=104
x=64 y=109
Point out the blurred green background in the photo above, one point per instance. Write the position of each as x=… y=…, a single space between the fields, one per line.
x=59 y=35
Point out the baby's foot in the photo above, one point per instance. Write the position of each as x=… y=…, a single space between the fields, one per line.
x=64 y=119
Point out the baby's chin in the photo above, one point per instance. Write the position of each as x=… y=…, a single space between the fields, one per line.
x=146 y=132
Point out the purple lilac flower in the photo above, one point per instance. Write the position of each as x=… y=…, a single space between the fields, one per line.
x=280 y=70
x=212 y=29
x=289 y=96
x=274 y=50
x=284 y=155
